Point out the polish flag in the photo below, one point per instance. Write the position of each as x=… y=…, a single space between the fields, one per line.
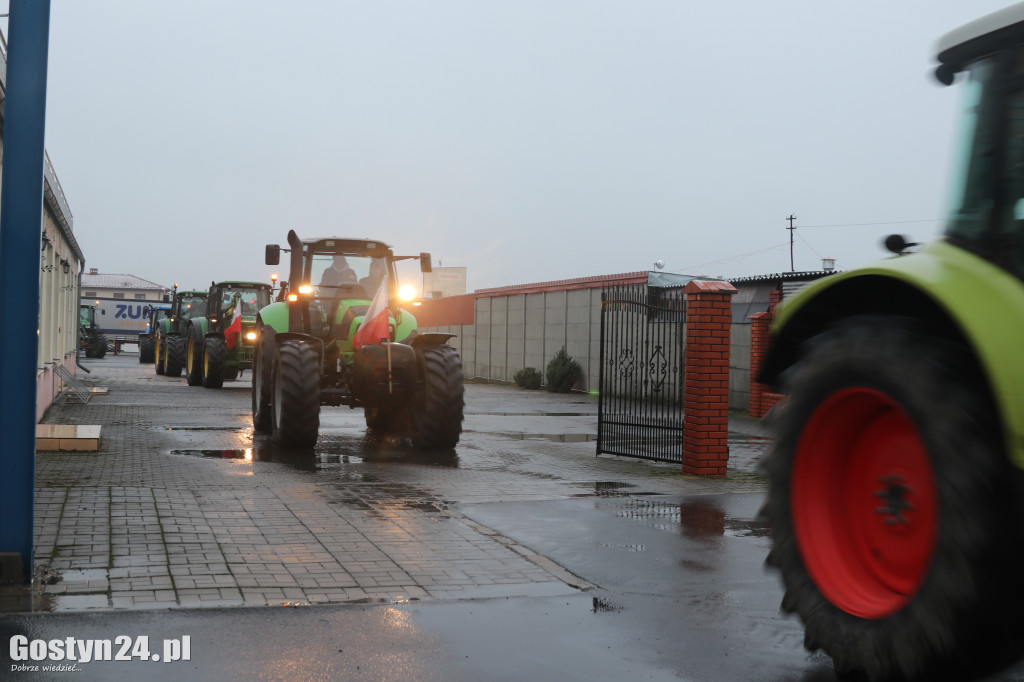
x=374 y=326
x=235 y=328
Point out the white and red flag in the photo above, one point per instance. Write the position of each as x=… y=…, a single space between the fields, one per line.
x=235 y=328
x=375 y=325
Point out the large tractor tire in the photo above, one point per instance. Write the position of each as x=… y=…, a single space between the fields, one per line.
x=214 y=357
x=296 y=395
x=101 y=346
x=145 y=349
x=194 y=360
x=262 y=385
x=231 y=373
x=437 y=411
x=175 y=355
x=890 y=503
x=159 y=353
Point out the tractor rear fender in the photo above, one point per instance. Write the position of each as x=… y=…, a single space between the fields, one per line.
x=431 y=339
x=955 y=294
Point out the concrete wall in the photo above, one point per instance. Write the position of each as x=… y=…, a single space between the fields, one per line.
x=516 y=327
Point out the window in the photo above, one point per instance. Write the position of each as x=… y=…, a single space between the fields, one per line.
x=89 y=294
x=140 y=297
x=118 y=295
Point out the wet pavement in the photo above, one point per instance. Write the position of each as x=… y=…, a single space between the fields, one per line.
x=519 y=555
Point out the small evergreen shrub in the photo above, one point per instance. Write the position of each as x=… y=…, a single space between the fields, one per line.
x=563 y=372
x=527 y=377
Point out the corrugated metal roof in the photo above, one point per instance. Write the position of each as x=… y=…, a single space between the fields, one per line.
x=807 y=276
x=117 y=281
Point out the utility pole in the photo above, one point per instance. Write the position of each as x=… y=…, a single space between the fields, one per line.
x=791 y=227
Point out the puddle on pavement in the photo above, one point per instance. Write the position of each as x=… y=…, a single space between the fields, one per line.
x=245 y=454
x=553 y=437
x=698 y=519
x=190 y=427
x=612 y=489
x=531 y=414
x=58 y=590
x=330 y=452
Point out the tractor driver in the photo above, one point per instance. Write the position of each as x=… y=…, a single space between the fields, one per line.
x=338 y=274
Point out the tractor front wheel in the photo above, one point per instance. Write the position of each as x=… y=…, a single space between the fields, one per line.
x=262 y=385
x=214 y=357
x=438 y=409
x=159 y=354
x=890 y=503
x=296 y=395
x=175 y=356
x=194 y=360
x=145 y=349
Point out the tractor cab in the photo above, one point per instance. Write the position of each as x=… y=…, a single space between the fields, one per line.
x=987 y=202
x=332 y=282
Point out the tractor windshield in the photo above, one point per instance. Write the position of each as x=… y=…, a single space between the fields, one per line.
x=987 y=212
x=193 y=307
x=347 y=276
x=252 y=297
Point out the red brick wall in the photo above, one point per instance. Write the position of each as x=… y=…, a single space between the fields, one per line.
x=706 y=385
x=761 y=398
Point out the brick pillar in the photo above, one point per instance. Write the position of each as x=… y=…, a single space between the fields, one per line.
x=759 y=334
x=706 y=386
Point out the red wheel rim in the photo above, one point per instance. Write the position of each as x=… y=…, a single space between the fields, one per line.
x=864 y=503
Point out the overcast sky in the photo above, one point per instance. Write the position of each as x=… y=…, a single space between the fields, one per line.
x=527 y=141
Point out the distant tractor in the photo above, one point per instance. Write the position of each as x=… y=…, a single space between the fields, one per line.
x=147 y=339
x=337 y=336
x=90 y=338
x=896 y=477
x=220 y=345
x=172 y=331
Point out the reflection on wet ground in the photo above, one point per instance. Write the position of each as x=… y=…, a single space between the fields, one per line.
x=697 y=518
x=553 y=437
x=534 y=414
x=331 y=449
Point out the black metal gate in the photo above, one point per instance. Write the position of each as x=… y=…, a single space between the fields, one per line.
x=640 y=408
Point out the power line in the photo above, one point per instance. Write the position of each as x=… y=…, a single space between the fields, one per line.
x=735 y=257
x=892 y=222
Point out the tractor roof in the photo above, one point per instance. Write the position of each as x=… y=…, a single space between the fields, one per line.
x=240 y=283
x=979 y=38
x=347 y=245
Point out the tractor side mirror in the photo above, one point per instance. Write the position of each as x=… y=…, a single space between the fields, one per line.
x=273 y=255
x=425 y=264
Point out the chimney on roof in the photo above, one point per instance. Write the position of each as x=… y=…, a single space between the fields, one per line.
x=94 y=271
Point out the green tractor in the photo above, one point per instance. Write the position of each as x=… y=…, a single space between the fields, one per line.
x=147 y=340
x=172 y=331
x=336 y=336
x=221 y=344
x=895 y=476
x=90 y=338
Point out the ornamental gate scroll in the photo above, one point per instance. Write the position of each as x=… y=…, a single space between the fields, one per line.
x=640 y=407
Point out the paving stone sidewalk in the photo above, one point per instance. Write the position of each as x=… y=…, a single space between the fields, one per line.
x=182 y=507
